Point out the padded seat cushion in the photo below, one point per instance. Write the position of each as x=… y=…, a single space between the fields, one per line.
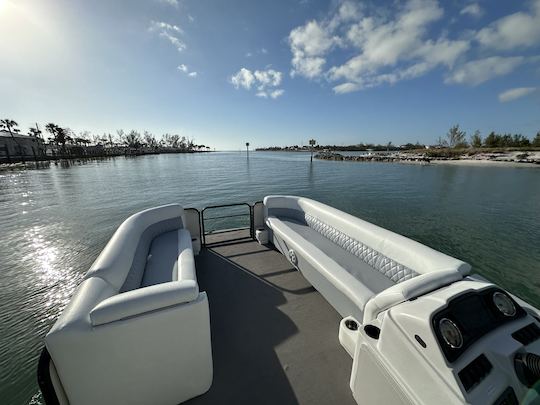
x=162 y=259
x=373 y=279
x=170 y=258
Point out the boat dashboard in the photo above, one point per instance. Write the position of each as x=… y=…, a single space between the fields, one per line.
x=477 y=343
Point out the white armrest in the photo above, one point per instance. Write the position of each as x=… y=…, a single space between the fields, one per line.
x=143 y=300
x=408 y=289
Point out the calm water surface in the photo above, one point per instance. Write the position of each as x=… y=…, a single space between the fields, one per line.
x=55 y=221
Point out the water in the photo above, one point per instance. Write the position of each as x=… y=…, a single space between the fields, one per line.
x=55 y=221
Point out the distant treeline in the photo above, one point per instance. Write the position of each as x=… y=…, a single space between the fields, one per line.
x=62 y=136
x=455 y=138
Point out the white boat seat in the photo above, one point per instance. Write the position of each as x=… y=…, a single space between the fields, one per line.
x=374 y=280
x=360 y=268
x=137 y=330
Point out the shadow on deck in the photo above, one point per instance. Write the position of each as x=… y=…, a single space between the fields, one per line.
x=274 y=338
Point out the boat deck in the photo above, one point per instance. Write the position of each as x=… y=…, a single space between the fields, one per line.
x=274 y=337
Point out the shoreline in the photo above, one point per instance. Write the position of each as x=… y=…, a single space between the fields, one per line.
x=46 y=161
x=484 y=162
x=508 y=159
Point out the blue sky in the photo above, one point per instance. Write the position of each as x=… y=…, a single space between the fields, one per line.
x=273 y=72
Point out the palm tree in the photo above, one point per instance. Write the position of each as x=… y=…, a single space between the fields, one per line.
x=58 y=133
x=35 y=132
x=10 y=126
x=51 y=128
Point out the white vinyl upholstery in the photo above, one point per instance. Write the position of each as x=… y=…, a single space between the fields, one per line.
x=360 y=268
x=137 y=330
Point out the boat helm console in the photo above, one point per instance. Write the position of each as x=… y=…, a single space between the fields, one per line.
x=468 y=342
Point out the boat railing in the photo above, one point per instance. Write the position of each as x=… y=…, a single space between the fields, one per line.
x=229 y=222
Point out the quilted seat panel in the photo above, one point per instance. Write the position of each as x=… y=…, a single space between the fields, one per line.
x=388 y=267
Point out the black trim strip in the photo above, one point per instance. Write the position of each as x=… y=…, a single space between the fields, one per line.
x=44 y=378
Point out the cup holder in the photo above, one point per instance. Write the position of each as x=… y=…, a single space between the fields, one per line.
x=351 y=324
x=372 y=331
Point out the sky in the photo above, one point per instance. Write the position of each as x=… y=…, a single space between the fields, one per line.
x=273 y=72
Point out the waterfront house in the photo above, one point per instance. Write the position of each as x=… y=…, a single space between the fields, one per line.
x=20 y=147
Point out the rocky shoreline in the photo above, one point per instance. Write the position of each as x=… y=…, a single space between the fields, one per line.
x=525 y=158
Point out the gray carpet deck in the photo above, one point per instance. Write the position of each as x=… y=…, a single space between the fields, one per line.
x=274 y=338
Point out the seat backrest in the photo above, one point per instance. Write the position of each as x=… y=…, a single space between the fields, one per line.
x=123 y=260
x=396 y=256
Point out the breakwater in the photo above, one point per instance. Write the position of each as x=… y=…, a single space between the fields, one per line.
x=528 y=158
x=378 y=157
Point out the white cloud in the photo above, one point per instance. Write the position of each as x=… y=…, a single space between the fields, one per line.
x=265 y=81
x=277 y=93
x=385 y=46
x=191 y=18
x=243 y=78
x=173 y=3
x=268 y=78
x=169 y=32
x=163 y=26
x=184 y=69
x=473 y=10
x=481 y=70
x=385 y=50
x=264 y=51
x=518 y=30
x=308 y=43
x=516 y=93
x=346 y=87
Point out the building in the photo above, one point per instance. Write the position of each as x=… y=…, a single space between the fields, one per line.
x=20 y=147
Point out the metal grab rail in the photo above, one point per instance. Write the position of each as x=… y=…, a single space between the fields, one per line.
x=229 y=216
x=251 y=230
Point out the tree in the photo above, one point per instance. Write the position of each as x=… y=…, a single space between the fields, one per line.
x=58 y=134
x=121 y=134
x=51 y=128
x=442 y=142
x=476 y=139
x=133 y=139
x=84 y=137
x=173 y=140
x=492 y=140
x=96 y=139
x=150 y=140
x=536 y=140
x=110 y=140
x=69 y=134
x=35 y=132
x=519 y=140
x=456 y=137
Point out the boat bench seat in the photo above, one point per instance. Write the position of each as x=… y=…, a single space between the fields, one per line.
x=137 y=314
x=170 y=258
x=360 y=268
